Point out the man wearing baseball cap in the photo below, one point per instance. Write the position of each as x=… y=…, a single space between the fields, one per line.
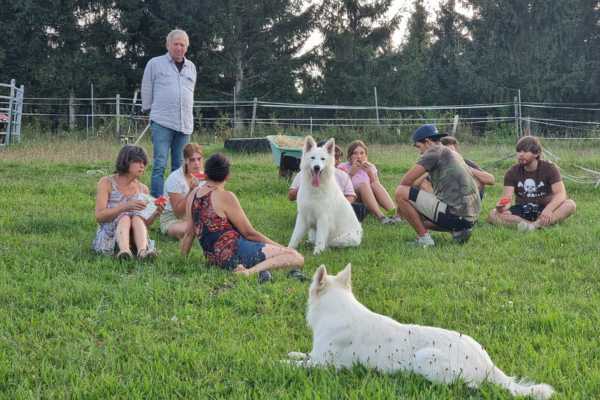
x=454 y=204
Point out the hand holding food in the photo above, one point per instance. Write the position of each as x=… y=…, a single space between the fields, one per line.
x=135 y=205
x=502 y=203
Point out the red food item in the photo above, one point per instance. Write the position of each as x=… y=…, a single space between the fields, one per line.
x=504 y=201
x=161 y=201
x=199 y=175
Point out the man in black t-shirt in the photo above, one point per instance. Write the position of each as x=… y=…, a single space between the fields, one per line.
x=540 y=194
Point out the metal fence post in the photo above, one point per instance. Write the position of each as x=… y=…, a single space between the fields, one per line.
x=11 y=101
x=19 y=107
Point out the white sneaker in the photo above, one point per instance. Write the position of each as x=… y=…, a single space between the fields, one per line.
x=424 y=241
x=525 y=227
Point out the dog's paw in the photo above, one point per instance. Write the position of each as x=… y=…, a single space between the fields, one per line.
x=296 y=355
x=298 y=359
x=318 y=250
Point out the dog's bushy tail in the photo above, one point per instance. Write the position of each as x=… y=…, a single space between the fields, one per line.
x=538 y=391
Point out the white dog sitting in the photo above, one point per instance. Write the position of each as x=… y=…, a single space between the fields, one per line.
x=323 y=211
x=345 y=333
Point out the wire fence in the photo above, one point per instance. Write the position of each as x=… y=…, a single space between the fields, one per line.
x=121 y=116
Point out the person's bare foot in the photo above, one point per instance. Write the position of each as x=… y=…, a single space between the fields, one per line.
x=241 y=270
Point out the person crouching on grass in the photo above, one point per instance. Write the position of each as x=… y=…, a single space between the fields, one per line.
x=120 y=199
x=541 y=197
x=215 y=216
x=454 y=204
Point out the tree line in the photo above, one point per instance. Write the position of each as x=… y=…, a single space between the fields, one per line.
x=547 y=48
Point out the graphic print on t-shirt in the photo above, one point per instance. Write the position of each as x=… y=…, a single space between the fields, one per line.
x=532 y=190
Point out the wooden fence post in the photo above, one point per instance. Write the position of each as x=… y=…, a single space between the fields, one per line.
x=118 y=114
x=253 y=117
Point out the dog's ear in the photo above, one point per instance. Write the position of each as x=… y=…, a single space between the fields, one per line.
x=309 y=144
x=320 y=276
x=330 y=146
x=344 y=276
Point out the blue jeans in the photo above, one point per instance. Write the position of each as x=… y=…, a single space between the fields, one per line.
x=164 y=139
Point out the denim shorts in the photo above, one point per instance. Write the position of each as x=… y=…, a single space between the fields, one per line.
x=248 y=254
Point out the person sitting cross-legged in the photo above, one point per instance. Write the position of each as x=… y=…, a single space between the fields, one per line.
x=215 y=216
x=541 y=197
x=454 y=204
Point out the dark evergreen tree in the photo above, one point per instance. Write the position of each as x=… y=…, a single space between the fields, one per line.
x=412 y=84
x=446 y=58
x=352 y=58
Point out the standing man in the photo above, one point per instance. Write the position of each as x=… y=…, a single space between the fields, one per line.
x=454 y=204
x=541 y=197
x=168 y=92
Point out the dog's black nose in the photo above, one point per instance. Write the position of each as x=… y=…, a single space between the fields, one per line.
x=317 y=168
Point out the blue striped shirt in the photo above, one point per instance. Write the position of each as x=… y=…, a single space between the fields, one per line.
x=169 y=93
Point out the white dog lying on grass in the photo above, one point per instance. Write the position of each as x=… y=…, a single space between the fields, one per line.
x=346 y=333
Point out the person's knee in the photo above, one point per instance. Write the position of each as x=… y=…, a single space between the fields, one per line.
x=492 y=217
x=402 y=193
x=363 y=188
x=136 y=219
x=298 y=258
x=572 y=206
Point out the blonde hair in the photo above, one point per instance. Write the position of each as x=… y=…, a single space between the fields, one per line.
x=175 y=33
x=189 y=150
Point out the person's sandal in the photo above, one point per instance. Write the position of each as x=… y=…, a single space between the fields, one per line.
x=264 y=277
x=147 y=254
x=124 y=255
x=297 y=274
x=392 y=220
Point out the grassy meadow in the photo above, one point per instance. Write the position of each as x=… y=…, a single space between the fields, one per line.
x=77 y=325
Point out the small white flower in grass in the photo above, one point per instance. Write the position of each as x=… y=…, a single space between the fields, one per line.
x=174 y=318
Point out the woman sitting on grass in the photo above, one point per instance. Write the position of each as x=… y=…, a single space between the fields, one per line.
x=215 y=216
x=177 y=186
x=366 y=183
x=120 y=199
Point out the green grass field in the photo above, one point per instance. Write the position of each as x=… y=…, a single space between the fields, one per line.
x=76 y=325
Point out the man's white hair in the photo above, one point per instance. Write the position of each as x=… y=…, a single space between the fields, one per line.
x=175 y=33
